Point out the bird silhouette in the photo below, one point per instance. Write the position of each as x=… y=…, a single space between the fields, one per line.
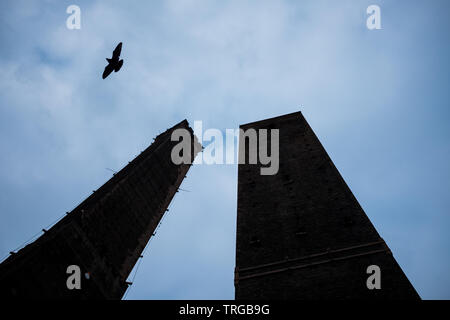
x=114 y=63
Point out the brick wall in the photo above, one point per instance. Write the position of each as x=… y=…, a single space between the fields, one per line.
x=104 y=235
x=301 y=234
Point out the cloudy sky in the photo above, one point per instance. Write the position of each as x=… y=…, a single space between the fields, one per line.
x=378 y=101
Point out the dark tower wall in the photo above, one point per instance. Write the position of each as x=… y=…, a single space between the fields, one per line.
x=104 y=235
x=301 y=234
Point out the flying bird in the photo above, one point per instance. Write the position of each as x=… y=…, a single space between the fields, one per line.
x=114 y=63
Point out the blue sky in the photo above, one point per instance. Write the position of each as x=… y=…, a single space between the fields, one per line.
x=378 y=101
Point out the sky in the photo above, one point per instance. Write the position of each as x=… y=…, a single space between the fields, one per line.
x=378 y=100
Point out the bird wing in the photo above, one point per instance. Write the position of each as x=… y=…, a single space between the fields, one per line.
x=108 y=69
x=117 y=50
x=118 y=65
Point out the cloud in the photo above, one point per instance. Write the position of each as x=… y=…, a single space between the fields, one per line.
x=366 y=95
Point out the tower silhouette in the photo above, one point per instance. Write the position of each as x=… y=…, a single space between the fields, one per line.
x=105 y=235
x=301 y=234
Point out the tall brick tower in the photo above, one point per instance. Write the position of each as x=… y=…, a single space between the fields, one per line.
x=301 y=234
x=105 y=235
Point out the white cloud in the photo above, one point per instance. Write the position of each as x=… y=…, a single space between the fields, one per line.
x=225 y=63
